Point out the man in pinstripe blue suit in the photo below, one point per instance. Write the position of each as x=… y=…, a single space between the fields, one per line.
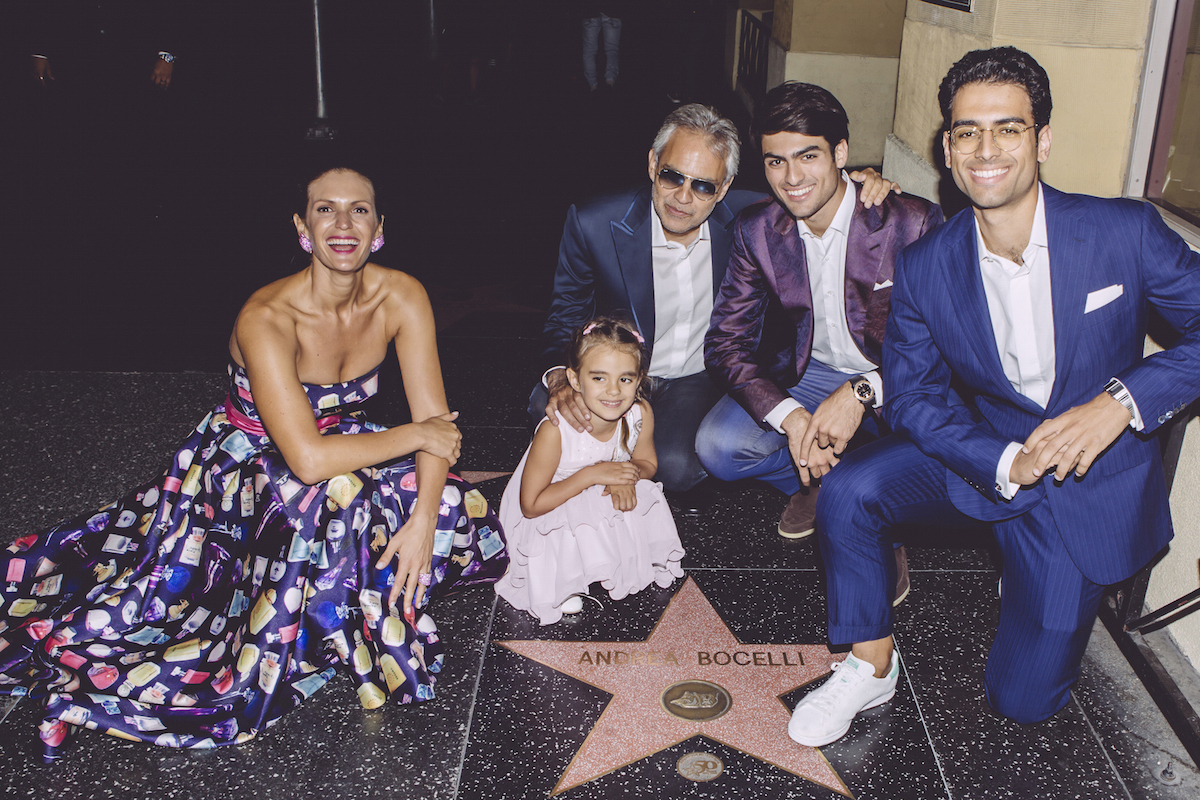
x=1034 y=304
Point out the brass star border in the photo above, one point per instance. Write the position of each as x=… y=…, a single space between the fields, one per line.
x=690 y=642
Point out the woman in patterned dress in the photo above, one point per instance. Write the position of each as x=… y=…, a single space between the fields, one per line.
x=287 y=537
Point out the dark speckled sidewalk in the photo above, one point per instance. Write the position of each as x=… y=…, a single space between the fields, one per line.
x=504 y=725
x=122 y=282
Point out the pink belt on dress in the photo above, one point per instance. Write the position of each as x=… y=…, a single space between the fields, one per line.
x=251 y=425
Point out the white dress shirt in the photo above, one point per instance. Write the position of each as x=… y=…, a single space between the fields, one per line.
x=683 y=301
x=1021 y=307
x=1022 y=313
x=833 y=345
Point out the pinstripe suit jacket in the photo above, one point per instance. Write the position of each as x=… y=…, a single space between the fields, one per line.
x=1116 y=518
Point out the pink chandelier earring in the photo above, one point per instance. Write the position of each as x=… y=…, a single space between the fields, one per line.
x=305 y=243
x=377 y=243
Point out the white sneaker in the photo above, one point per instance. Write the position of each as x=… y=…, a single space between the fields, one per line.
x=572 y=605
x=824 y=715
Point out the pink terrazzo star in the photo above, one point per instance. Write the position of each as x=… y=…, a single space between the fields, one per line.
x=690 y=643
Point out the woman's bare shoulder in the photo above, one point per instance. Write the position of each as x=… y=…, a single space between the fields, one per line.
x=400 y=286
x=402 y=295
x=269 y=313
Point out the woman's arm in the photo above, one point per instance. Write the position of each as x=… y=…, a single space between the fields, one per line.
x=266 y=338
x=416 y=350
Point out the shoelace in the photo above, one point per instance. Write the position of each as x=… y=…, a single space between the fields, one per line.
x=829 y=696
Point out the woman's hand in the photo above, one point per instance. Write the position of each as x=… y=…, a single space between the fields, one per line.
x=412 y=547
x=441 y=437
x=624 y=497
x=613 y=473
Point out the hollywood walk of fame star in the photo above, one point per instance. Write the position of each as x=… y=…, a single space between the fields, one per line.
x=690 y=643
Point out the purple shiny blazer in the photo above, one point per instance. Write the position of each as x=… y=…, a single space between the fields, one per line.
x=760 y=339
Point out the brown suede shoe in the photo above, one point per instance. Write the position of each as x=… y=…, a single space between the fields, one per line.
x=902 y=585
x=800 y=516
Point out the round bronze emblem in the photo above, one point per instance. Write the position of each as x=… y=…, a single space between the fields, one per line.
x=697 y=701
x=700 y=767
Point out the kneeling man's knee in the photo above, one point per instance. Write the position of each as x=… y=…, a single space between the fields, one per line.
x=842 y=496
x=714 y=454
x=1025 y=701
x=678 y=471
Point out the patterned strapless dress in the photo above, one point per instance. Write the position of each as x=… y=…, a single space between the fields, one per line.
x=199 y=608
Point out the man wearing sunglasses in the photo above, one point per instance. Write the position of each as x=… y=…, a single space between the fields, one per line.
x=1033 y=304
x=798 y=324
x=656 y=255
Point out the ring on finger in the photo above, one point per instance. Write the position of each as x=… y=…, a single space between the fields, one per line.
x=425 y=578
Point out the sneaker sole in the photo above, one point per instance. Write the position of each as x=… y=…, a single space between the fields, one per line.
x=795 y=534
x=821 y=742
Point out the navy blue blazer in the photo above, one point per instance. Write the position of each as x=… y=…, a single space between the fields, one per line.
x=1115 y=518
x=605 y=265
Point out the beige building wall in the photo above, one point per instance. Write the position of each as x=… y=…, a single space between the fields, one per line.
x=1093 y=51
x=852 y=48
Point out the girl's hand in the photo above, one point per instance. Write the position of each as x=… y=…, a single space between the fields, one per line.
x=412 y=547
x=624 y=497
x=613 y=473
x=441 y=437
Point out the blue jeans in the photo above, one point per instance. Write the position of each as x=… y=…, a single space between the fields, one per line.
x=592 y=28
x=732 y=446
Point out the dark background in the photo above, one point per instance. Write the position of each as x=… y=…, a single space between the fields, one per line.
x=136 y=222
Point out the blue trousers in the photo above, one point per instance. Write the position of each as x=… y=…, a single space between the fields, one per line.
x=732 y=446
x=1047 y=607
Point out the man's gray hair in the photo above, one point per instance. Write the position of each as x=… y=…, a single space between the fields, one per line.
x=706 y=121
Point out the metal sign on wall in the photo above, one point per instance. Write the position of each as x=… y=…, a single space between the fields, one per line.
x=961 y=5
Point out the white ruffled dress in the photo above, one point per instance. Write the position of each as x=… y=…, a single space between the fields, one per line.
x=586 y=539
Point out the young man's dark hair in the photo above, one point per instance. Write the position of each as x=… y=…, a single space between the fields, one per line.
x=801 y=108
x=998 y=65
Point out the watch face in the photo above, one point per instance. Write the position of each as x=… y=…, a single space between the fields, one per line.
x=863 y=391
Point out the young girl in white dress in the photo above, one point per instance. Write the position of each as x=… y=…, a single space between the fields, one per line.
x=581 y=507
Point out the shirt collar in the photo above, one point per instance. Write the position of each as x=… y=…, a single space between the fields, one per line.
x=659 y=239
x=1037 y=234
x=841 y=220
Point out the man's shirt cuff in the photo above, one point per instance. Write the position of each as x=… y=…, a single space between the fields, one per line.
x=1122 y=396
x=546 y=377
x=873 y=377
x=779 y=413
x=1007 y=489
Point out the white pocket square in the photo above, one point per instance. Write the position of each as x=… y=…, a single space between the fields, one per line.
x=885 y=285
x=1102 y=297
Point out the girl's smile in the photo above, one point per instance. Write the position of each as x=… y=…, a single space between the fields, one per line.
x=608 y=381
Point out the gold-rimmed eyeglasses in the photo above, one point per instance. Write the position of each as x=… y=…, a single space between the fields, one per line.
x=965 y=139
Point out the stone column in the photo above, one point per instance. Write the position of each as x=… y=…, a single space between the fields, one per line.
x=1093 y=51
x=850 y=47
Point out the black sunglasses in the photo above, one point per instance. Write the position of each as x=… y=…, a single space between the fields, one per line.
x=669 y=179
